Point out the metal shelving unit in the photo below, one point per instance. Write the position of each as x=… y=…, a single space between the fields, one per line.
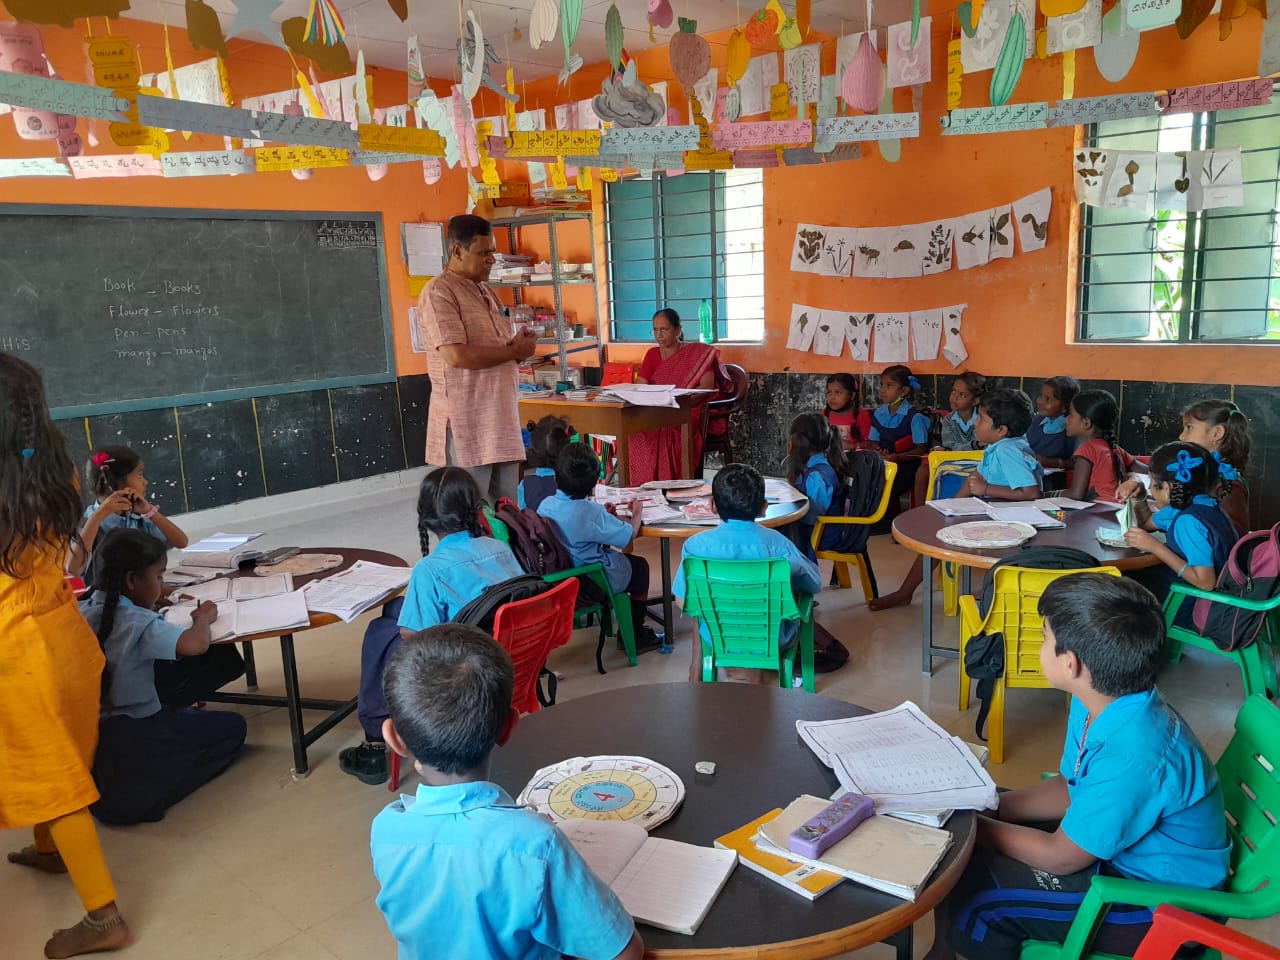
x=562 y=341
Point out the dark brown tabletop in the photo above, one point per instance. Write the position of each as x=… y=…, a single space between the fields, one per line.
x=749 y=732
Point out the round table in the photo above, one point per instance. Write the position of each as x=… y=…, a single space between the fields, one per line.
x=917 y=529
x=761 y=763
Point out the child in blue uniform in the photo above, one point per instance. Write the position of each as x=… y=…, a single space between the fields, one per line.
x=1048 y=435
x=547 y=438
x=816 y=455
x=898 y=429
x=465 y=564
x=1137 y=795
x=1009 y=470
x=465 y=873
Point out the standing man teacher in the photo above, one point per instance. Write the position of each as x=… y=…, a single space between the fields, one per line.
x=474 y=419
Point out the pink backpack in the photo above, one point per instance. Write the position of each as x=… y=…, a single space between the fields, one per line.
x=1252 y=572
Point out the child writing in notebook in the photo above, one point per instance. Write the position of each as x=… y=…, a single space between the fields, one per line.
x=1099 y=463
x=1136 y=797
x=50 y=682
x=151 y=756
x=843 y=410
x=738 y=492
x=1048 y=436
x=593 y=534
x=1009 y=470
x=463 y=871
x=115 y=479
x=464 y=564
x=547 y=438
x=816 y=456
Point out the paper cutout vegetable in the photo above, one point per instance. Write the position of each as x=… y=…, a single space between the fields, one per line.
x=570 y=20
x=863 y=82
x=660 y=14
x=1060 y=8
x=790 y=37
x=690 y=54
x=203 y=28
x=400 y=8
x=1193 y=14
x=1008 y=69
x=739 y=57
x=1234 y=9
x=969 y=13
x=613 y=36
x=762 y=28
x=543 y=21
x=1118 y=48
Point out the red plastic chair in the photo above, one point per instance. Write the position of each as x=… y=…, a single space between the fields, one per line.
x=528 y=630
x=1173 y=927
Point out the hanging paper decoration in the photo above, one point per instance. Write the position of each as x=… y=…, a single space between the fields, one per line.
x=613 y=36
x=330 y=59
x=475 y=56
x=400 y=8
x=690 y=54
x=254 y=16
x=1008 y=69
x=1235 y=9
x=955 y=74
x=762 y=29
x=1193 y=14
x=64 y=13
x=570 y=20
x=1060 y=8
x=324 y=24
x=890 y=149
x=1118 y=48
x=660 y=15
x=790 y=36
x=863 y=83
x=739 y=57
x=968 y=14
x=627 y=101
x=543 y=21
x=804 y=15
x=203 y=28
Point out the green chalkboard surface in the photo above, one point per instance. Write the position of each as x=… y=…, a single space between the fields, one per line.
x=125 y=309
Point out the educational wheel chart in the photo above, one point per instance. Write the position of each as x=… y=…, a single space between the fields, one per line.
x=605 y=788
x=987 y=534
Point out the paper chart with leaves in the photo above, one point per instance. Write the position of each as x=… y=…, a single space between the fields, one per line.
x=973 y=246
x=828 y=339
x=1031 y=217
x=1217 y=180
x=857 y=331
x=891 y=339
x=904 y=250
x=1000 y=233
x=926 y=334
x=953 y=347
x=826 y=251
x=1130 y=181
x=939 y=247
x=804 y=324
x=1089 y=165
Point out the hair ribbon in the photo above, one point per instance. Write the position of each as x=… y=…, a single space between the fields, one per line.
x=1225 y=470
x=101 y=459
x=913 y=382
x=28 y=453
x=1181 y=468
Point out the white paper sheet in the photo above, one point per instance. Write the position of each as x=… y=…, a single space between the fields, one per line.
x=1074 y=31
x=903 y=725
x=804 y=324
x=871 y=251
x=939 y=248
x=806 y=251
x=890 y=345
x=905 y=251
x=828 y=339
x=953 y=347
x=801 y=67
x=980 y=51
x=909 y=65
x=1089 y=165
x=1000 y=233
x=1130 y=181
x=1217 y=181
x=972 y=243
x=858 y=328
x=1031 y=216
x=926 y=334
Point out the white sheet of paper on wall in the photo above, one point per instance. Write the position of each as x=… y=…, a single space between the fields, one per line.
x=1074 y=31
x=905 y=251
x=1090 y=173
x=981 y=51
x=828 y=339
x=705 y=89
x=1000 y=233
x=828 y=93
x=1151 y=14
x=750 y=87
x=953 y=347
x=837 y=252
x=939 y=247
x=870 y=251
x=926 y=334
x=857 y=330
x=806 y=251
x=890 y=344
x=1031 y=217
x=973 y=248
x=804 y=324
x=1130 y=181
x=802 y=69
x=1173 y=181
x=907 y=64
x=1216 y=179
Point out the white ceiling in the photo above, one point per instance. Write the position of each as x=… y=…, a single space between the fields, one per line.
x=375 y=28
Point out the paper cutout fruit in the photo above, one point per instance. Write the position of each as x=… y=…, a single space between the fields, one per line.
x=543 y=22
x=690 y=54
x=863 y=83
x=401 y=9
x=1060 y=8
x=739 y=57
x=660 y=13
x=762 y=29
x=1008 y=69
x=613 y=36
x=789 y=37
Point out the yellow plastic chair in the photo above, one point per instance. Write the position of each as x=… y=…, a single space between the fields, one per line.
x=1013 y=613
x=948 y=572
x=743 y=604
x=861 y=560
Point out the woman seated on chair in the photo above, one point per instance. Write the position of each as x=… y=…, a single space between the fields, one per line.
x=657 y=454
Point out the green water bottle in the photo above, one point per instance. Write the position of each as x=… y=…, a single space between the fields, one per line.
x=706 y=323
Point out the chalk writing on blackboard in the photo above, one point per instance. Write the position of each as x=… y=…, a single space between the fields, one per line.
x=346 y=233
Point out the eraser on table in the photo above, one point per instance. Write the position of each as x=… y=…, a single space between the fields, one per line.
x=704 y=766
x=832 y=825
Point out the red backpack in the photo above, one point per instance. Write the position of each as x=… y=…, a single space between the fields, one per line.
x=533 y=540
x=1252 y=572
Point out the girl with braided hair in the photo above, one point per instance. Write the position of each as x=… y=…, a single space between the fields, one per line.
x=1099 y=464
x=151 y=756
x=52 y=667
x=1198 y=534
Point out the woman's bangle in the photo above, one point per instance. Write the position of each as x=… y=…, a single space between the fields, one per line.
x=149 y=514
x=1183 y=570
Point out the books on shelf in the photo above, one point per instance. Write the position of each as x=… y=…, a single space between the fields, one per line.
x=664 y=883
x=278 y=613
x=883 y=853
x=350 y=593
x=805 y=879
x=221 y=551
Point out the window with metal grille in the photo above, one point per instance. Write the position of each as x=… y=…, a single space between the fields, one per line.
x=1175 y=276
x=676 y=241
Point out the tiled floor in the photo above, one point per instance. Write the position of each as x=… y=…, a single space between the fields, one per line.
x=258 y=866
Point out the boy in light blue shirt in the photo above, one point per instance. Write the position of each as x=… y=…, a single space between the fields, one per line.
x=1009 y=469
x=464 y=872
x=738 y=491
x=1137 y=795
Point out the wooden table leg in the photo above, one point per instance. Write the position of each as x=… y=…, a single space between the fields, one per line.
x=686 y=448
x=926 y=640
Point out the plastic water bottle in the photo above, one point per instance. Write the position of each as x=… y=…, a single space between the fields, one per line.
x=706 y=323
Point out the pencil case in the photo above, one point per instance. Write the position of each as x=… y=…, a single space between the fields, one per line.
x=832 y=825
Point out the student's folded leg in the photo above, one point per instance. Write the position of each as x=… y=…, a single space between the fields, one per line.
x=103 y=928
x=188 y=680
x=906 y=590
x=638 y=589
x=367 y=762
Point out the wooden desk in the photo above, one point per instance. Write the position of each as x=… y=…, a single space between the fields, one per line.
x=775 y=515
x=917 y=529
x=293 y=701
x=761 y=763
x=621 y=420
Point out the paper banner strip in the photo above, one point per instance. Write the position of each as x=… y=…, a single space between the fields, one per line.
x=374 y=136
x=206 y=163
x=1018 y=116
x=1121 y=106
x=755 y=159
x=33 y=167
x=61 y=96
x=368 y=158
x=270 y=159
x=738 y=136
x=542 y=143
x=309 y=131
x=203 y=117
x=627 y=161
x=1217 y=96
x=649 y=139
x=115 y=165
x=887 y=126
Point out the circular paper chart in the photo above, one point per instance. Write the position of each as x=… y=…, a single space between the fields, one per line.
x=987 y=534
x=301 y=564
x=671 y=484
x=605 y=788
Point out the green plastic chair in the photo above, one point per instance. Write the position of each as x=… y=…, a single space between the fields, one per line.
x=1256 y=661
x=1249 y=771
x=743 y=604
x=617 y=606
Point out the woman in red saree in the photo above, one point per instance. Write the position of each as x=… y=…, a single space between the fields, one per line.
x=656 y=455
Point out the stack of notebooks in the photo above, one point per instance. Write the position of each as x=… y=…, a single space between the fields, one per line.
x=246 y=606
x=350 y=593
x=222 y=551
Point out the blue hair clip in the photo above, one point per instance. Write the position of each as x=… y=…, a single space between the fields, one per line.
x=913 y=382
x=1181 y=468
x=1225 y=470
x=28 y=453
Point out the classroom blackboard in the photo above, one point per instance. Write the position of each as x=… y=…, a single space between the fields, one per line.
x=128 y=308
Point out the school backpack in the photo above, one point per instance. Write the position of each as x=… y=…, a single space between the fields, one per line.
x=533 y=540
x=865 y=487
x=483 y=610
x=1252 y=572
x=1037 y=558
x=984 y=662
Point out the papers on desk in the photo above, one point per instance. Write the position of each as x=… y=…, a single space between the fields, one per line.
x=781 y=866
x=241 y=618
x=959 y=506
x=701 y=512
x=1011 y=513
x=1006 y=512
x=779 y=491
x=647 y=394
x=350 y=593
x=1061 y=503
x=902 y=760
x=238 y=588
x=222 y=551
x=664 y=883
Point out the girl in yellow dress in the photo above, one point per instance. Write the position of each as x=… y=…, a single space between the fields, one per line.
x=50 y=667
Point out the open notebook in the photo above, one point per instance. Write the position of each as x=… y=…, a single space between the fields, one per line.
x=242 y=618
x=664 y=883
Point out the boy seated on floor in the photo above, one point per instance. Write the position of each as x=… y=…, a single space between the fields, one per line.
x=1137 y=796
x=464 y=872
x=738 y=492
